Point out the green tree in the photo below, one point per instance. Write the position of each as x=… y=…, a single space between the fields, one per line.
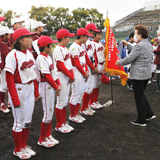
x=62 y=18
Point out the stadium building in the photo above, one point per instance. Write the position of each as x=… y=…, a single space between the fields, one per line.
x=148 y=16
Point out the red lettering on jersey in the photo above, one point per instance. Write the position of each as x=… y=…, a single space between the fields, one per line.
x=89 y=47
x=100 y=49
x=51 y=67
x=81 y=54
x=67 y=56
x=26 y=65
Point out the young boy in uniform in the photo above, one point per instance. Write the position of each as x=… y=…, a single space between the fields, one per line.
x=81 y=74
x=48 y=85
x=85 y=109
x=39 y=28
x=16 y=23
x=100 y=60
x=64 y=69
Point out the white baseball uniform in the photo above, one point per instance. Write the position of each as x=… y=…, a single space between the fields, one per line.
x=22 y=66
x=62 y=54
x=47 y=93
x=79 y=85
x=90 y=52
x=100 y=58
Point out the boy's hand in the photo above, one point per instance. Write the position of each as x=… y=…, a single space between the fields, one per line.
x=86 y=76
x=58 y=91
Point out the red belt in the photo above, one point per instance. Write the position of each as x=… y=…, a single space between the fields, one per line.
x=30 y=82
x=101 y=63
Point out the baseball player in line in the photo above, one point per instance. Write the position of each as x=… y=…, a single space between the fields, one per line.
x=39 y=28
x=64 y=69
x=81 y=74
x=100 y=60
x=23 y=89
x=86 y=109
x=4 y=50
x=16 y=23
x=48 y=85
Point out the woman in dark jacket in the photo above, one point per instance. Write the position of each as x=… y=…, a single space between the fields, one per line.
x=140 y=58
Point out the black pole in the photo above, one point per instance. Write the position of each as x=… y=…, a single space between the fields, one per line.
x=111 y=89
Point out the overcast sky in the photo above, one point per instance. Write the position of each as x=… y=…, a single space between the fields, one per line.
x=117 y=8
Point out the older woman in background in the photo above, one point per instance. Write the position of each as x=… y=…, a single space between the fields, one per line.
x=140 y=58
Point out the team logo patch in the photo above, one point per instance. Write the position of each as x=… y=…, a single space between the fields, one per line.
x=26 y=65
x=19 y=89
x=49 y=87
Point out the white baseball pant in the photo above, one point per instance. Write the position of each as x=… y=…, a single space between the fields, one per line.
x=47 y=93
x=23 y=114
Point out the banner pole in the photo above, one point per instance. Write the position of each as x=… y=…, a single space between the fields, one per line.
x=111 y=89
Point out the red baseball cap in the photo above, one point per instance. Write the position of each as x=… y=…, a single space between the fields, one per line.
x=83 y=31
x=44 y=41
x=64 y=33
x=22 y=32
x=2 y=18
x=92 y=27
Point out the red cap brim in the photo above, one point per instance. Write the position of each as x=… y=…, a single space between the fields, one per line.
x=54 y=41
x=71 y=35
x=90 y=35
x=2 y=18
x=96 y=30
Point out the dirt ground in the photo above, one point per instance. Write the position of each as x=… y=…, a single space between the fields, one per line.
x=108 y=135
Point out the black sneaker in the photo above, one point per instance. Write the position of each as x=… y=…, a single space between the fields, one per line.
x=152 y=117
x=135 y=122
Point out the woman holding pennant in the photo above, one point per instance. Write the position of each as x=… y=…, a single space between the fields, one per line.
x=140 y=58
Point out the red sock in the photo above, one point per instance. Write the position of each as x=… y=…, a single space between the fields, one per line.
x=72 y=109
x=86 y=98
x=92 y=97
x=25 y=134
x=96 y=94
x=44 y=127
x=49 y=129
x=64 y=114
x=59 y=113
x=2 y=96
x=77 y=108
x=17 y=136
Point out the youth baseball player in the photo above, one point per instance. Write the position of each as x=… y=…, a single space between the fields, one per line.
x=100 y=60
x=64 y=69
x=81 y=74
x=39 y=28
x=15 y=23
x=85 y=109
x=4 y=50
x=23 y=89
x=48 y=85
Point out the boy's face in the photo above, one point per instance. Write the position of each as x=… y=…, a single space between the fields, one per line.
x=84 y=39
x=40 y=29
x=17 y=25
x=98 y=37
x=66 y=41
x=48 y=49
